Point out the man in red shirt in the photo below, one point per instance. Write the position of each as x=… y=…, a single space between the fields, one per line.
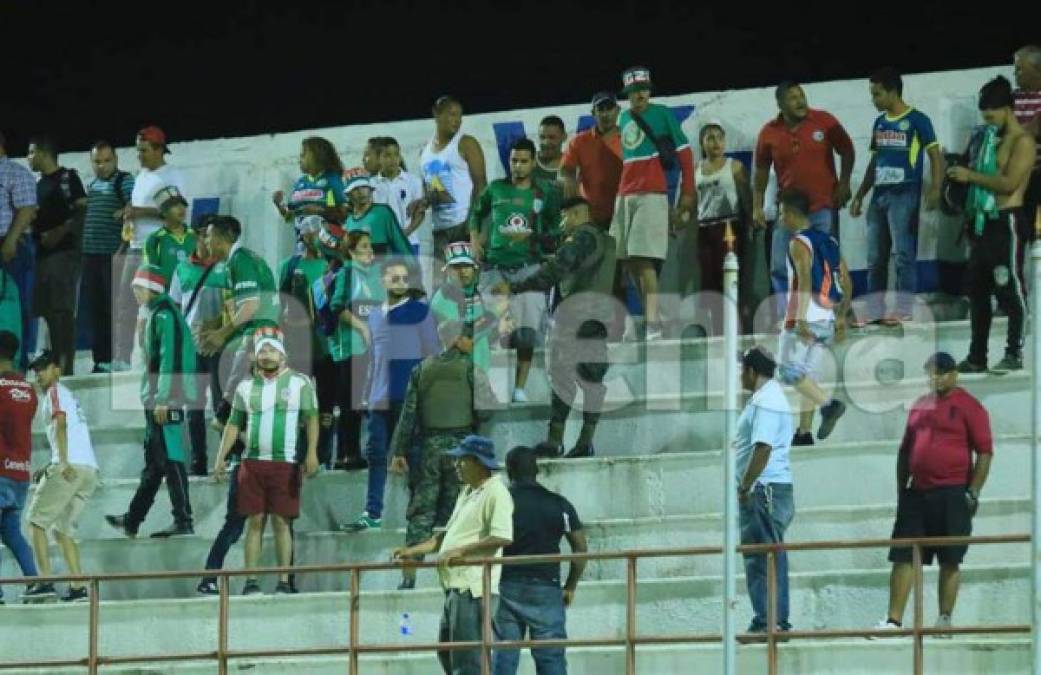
x=937 y=483
x=592 y=164
x=801 y=144
x=17 y=408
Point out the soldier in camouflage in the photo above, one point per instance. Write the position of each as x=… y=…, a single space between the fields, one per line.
x=447 y=399
x=583 y=267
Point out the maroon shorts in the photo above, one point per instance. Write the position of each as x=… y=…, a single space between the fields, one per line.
x=269 y=488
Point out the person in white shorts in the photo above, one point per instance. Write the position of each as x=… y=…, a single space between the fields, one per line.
x=68 y=481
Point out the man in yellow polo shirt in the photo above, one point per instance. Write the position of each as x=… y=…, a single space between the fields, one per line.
x=480 y=526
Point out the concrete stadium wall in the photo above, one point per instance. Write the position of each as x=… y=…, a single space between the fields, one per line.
x=241 y=173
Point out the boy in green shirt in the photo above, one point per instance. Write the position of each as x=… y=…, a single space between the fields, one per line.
x=173 y=243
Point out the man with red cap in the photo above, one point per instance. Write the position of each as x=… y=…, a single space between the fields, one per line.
x=141 y=219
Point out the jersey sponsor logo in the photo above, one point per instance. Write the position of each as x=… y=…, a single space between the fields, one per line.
x=516 y=222
x=308 y=195
x=21 y=396
x=889 y=138
x=632 y=135
x=245 y=285
x=13 y=383
x=818 y=136
x=17 y=466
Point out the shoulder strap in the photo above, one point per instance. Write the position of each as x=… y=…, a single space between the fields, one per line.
x=117 y=186
x=198 y=289
x=646 y=128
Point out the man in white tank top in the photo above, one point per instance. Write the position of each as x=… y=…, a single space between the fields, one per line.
x=453 y=176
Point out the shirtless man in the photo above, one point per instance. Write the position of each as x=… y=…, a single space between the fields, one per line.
x=992 y=229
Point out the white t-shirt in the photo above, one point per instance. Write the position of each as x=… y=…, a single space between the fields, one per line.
x=146 y=184
x=767 y=418
x=59 y=400
x=398 y=193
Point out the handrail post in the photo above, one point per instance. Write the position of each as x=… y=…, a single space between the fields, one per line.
x=355 y=602
x=919 y=609
x=1035 y=447
x=731 y=389
x=771 y=612
x=630 y=615
x=92 y=646
x=486 y=619
x=223 y=582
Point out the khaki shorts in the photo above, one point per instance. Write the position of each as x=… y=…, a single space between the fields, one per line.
x=641 y=226
x=58 y=503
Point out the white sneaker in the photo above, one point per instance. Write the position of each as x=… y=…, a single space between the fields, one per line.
x=519 y=396
x=944 y=622
x=884 y=624
x=654 y=334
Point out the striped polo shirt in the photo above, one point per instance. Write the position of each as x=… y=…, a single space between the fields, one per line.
x=101 y=231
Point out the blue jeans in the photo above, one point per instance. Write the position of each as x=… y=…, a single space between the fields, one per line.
x=23 y=270
x=12 y=501
x=535 y=608
x=764 y=518
x=892 y=226
x=822 y=220
x=381 y=429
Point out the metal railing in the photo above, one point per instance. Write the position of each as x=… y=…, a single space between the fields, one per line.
x=629 y=642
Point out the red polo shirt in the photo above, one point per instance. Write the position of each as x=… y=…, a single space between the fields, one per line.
x=941 y=436
x=599 y=164
x=804 y=156
x=17 y=408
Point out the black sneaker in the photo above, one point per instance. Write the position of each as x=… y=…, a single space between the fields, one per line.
x=830 y=414
x=284 y=588
x=76 y=595
x=251 y=587
x=351 y=464
x=802 y=438
x=580 y=451
x=38 y=592
x=120 y=523
x=175 y=530
x=1009 y=363
x=968 y=366
x=200 y=470
x=208 y=587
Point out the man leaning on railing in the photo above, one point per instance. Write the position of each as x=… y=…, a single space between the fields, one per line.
x=480 y=526
x=939 y=487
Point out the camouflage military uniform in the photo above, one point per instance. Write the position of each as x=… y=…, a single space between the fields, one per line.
x=433 y=483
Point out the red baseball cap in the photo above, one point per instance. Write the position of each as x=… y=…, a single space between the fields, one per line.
x=155 y=136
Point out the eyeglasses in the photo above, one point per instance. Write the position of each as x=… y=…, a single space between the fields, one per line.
x=397 y=278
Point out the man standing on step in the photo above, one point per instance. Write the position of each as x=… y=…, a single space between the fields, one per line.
x=584 y=267
x=69 y=480
x=938 y=486
x=531 y=601
x=17 y=408
x=997 y=184
x=480 y=526
x=270 y=408
x=819 y=293
x=168 y=384
x=767 y=505
x=447 y=398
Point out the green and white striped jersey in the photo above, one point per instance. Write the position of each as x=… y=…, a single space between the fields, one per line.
x=272 y=410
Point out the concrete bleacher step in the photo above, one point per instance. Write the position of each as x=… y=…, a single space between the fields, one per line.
x=847 y=599
x=996 y=516
x=668 y=484
x=959 y=656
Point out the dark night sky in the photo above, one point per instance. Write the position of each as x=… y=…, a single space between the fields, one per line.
x=89 y=70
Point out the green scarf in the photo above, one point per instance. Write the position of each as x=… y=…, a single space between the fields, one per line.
x=981 y=204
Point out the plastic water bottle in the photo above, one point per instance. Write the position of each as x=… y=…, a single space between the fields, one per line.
x=405 y=627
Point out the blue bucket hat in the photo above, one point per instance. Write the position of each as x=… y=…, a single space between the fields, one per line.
x=480 y=448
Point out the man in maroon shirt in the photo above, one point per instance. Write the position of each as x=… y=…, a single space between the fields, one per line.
x=17 y=408
x=937 y=483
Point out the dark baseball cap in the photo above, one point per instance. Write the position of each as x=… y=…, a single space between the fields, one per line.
x=601 y=98
x=942 y=362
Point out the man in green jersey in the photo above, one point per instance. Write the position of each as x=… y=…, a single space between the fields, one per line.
x=520 y=212
x=173 y=243
x=168 y=383
x=253 y=303
x=271 y=407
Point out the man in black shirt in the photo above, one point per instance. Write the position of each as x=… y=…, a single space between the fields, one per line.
x=62 y=203
x=530 y=597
